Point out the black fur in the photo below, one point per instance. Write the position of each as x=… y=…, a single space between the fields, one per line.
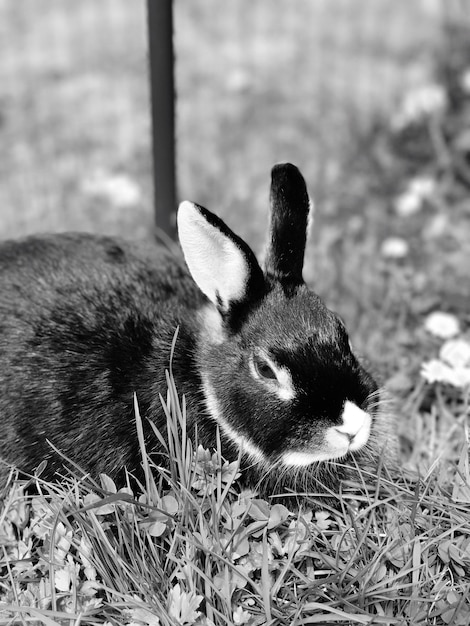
x=86 y=322
x=290 y=207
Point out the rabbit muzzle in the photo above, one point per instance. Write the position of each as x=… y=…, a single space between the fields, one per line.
x=351 y=435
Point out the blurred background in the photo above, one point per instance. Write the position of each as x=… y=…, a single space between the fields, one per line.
x=369 y=98
x=256 y=83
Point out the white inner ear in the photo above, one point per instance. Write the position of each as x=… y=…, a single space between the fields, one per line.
x=217 y=265
x=311 y=216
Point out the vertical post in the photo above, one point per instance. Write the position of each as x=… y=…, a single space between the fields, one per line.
x=162 y=93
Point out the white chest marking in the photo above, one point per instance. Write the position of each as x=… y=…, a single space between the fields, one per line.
x=215 y=411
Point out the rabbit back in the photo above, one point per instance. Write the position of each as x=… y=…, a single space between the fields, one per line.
x=85 y=322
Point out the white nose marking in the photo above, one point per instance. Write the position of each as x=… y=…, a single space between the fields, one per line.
x=356 y=426
x=348 y=435
x=354 y=419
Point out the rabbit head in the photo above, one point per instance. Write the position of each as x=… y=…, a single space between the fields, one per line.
x=278 y=374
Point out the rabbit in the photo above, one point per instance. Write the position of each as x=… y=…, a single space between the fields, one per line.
x=86 y=321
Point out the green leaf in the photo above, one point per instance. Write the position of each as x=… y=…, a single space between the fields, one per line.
x=169 y=504
x=279 y=513
x=259 y=510
x=108 y=483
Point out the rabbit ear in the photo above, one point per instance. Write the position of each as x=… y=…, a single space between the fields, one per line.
x=290 y=208
x=221 y=264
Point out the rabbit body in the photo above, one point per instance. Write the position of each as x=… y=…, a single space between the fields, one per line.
x=86 y=321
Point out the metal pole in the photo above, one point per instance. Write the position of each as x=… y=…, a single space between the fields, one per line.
x=162 y=92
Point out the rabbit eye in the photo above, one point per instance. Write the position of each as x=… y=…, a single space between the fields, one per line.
x=276 y=377
x=264 y=370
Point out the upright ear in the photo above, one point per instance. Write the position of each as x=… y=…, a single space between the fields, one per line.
x=290 y=208
x=222 y=265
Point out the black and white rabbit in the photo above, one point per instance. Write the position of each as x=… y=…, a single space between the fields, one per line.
x=86 y=321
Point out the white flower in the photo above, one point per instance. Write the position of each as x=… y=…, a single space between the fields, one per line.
x=443 y=325
x=423 y=186
x=465 y=81
x=394 y=248
x=408 y=204
x=411 y=200
x=118 y=189
x=435 y=371
x=420 y=103
x=456 y=353
x=461 y=377
x=436 y=227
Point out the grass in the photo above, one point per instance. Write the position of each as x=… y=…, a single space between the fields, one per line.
x=186 y=548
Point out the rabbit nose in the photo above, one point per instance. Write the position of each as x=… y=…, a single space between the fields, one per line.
x=355 y=427
x=350 y=436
